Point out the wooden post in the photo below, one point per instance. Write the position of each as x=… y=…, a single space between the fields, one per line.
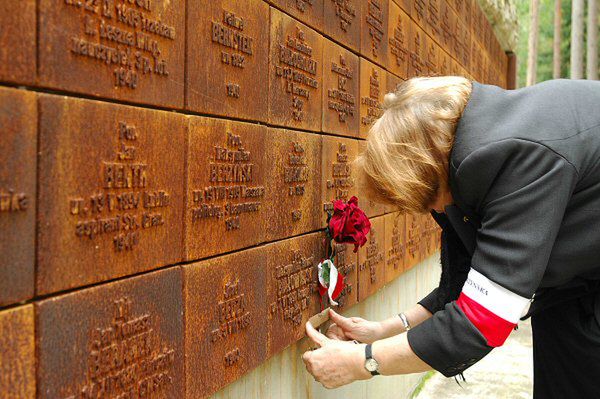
x=592 y=40
x=533 y=41
x=577 y=40
x=557 y=38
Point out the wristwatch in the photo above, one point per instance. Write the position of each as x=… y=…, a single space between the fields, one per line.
x=370 y=363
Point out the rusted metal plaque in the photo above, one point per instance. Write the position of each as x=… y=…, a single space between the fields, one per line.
x=432 y=56
x=295 y=74
x=448 y=25
x=126 y=50
x=18 y=36
x=374 y=30
x=417 y=51
x=110 y=192
x=342 y=22
x=392 y=81
x=370 y=207
x=372 y=91
x=371 y=260
x=293 y=183
x=418 y=12
x=227 y=58
x=337 y=181
x=118 y=340
x=292 y=291
x=346 y=262
x=17 y=353
x=18 y=169
x=225 y=319
x=308 y=11
x=433 y=25
x=340 y=90
x=225 y=186
x=398 y=41
x=404 y=4
x=445 y=63
x=414 y=241
x=395 y=245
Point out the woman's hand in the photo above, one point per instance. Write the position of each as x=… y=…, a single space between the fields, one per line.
x=334 y=363
x=350 y=328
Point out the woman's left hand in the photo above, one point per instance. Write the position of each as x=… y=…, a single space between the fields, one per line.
x=334 y=363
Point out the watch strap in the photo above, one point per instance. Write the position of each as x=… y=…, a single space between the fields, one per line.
x=369 y=355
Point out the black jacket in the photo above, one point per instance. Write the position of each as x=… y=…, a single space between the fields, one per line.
x=525 y=179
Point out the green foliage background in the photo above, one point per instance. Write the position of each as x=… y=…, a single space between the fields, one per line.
x=546 y=34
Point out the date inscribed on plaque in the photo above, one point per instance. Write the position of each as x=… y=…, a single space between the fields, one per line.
x=126 y=206
x=126 y=358
x=122 y=35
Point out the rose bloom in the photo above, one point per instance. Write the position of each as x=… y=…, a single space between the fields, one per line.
x=349 y=224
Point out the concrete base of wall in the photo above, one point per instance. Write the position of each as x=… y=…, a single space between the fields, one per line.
x=284 y=375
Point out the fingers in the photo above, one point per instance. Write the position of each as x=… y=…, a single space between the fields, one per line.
x=335 y=332
x=340 y=320
x=315 y=336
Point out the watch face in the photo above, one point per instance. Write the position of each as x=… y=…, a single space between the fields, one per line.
x=371 y=364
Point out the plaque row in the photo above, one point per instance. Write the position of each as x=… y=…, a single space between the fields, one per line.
x=120 y=190
x=252 y=60
x=216 y=319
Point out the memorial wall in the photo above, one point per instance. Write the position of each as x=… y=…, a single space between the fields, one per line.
x=166 y=171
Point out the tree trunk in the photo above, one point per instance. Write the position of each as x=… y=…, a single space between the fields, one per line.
x=577 y=40
x=556 y=43
x=533 y=41
x=592 y=40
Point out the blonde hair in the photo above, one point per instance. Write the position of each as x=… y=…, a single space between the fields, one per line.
x=405 y=161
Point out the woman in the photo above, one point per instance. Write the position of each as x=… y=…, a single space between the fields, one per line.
x=513 y=179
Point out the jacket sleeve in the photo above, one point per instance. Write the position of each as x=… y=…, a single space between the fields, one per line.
x=520 y=189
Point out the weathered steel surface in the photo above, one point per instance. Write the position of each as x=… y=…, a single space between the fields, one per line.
x=374 y=30
x=372 y=91
x=432 y=56
x=17 y=38
x=18 y=170
x=414 y=241
x=110 y=191
x=342 y=22
x=127 y=50
x=295 y=73
x=309 y=12
x=292 y=291
x=227 y=59
x=346 y=262
x=395 y=245
x=418 y=12
x=398 y=32
x=17 y=353
x=392 y=81
x=337 y=181
x=122 y=339
x=404 y=4
x=448 y=26
x=340 y=90
x=433 y=18
x=417 y=51
x=445 y=63
x=225 y=319
x=293 y=183
x=371 y=260
x=225 y=207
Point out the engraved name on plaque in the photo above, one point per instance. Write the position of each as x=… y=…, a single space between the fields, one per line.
x=226 y=315
x=18 y=170
x=374 y=30
x=395 y=244
x=134 y=50
x=227 y=58
x=125 y=340
x=371 y=260
x=342 y=21
x=111 y=191
x=295 y=73
x=225 y=186
x=398 y=41
x=292 y=292
x=372 y=91
x=293 y=191
x=340 y=90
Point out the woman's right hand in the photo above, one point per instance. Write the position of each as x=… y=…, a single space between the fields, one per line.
x=349 y=328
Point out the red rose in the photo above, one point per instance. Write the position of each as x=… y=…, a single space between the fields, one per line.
x=349 y=224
